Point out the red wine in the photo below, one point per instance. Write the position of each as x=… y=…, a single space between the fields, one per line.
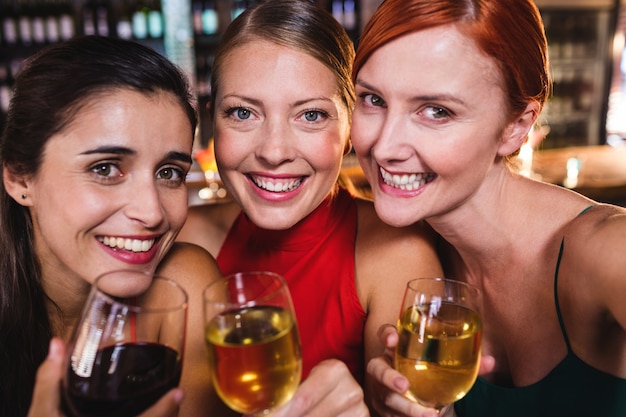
x=126 y=379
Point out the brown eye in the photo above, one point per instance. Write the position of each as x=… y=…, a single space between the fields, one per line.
x=171 y=174
x=104 y=170
x=437 y=112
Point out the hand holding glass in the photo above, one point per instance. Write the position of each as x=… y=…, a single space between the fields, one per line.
x=127 y=349
x=439 y=346
x=253 y=342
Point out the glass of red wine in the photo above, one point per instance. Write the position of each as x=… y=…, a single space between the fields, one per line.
x=127 y=349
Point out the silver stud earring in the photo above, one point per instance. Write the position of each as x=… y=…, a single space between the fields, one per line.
x=23 y=196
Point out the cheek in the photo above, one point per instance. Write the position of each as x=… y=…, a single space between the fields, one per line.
x=176 y=207
x=361 y=140
x=326 y=153
x=228 y=151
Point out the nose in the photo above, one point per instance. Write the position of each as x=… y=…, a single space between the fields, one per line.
x=276 y=142
x=393 y=140
x=144 y=204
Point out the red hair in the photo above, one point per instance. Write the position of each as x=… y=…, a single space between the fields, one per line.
x=509 y=31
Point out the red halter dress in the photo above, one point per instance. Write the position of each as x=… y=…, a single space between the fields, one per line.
x=316 y=257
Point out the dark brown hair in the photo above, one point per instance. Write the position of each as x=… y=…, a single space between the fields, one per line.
x=48 y=93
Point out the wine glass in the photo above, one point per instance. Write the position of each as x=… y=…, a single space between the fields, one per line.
x=439 y=346
x=127 y=349
x=253 y=342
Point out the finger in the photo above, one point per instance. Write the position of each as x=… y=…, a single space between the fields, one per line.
x=46 y=395
x=384 y=374
x=167 y=406
x=388 y=335
x=329 y=390
x=487 y=363
x=402 y=406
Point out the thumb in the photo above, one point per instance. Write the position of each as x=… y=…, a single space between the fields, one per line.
x=46 y=396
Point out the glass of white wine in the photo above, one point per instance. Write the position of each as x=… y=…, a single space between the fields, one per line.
x=253 y=342
x=439 y=347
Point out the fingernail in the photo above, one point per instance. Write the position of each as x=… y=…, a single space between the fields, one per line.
x=401 y=384
x=55 y=348
x=178 y=396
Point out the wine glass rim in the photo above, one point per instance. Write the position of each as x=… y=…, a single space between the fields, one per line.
x=467 y=285
x=226 y=278
x=127 y=301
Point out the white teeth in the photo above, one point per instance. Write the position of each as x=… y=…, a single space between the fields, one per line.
x=406 y=181
x=277 y=186
x=135 y=245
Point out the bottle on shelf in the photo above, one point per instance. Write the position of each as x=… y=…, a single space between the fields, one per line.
x=140 y=21
x=155 y=19
x=37 y=22
x=123 y=26
x=337 y=11
x=51 y=21
x=5 y=87
x=349 y=15
x=24 y=22
x=102 y=18
x=67 y=28
x=209 y=18
x=9 y=23
x=89 y=18
x=238 y=7
x=196 y=16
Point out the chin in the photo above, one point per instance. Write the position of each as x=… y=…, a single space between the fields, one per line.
x=274 y=222
x=390 y=214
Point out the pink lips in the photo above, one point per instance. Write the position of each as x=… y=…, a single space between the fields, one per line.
x=275 y=188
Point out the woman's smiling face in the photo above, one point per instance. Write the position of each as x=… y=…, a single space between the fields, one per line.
x=110 y=192
x=428 y=123
x=281 y=129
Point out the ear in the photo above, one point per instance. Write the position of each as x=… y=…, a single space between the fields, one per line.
x=16 y=186
x=347 y=148
x=516 y=133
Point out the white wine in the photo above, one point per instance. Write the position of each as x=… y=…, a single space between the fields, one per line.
x=439 y=352
x=255 y=356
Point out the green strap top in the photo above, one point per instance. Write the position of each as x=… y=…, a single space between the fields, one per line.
x=572 y=388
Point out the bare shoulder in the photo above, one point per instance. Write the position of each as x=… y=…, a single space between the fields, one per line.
x=386 y=259
x=374 y=234
x=600 y=224
x=190 y=265
x=598 y=235
x=383 y=250
x=207 y=225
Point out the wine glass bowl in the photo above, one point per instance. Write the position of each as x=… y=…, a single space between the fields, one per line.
x=127 y=349
x=253 y=341
x=439 y=346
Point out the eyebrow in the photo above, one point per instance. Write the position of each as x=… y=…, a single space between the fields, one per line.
x=256 y=102
x=117 y=150
x=308 y=100
x=244 y=98
x=431 y=97
x=121 y=150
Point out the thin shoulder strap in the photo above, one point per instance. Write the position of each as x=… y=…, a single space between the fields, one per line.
x=556 y=299
x=556 y=290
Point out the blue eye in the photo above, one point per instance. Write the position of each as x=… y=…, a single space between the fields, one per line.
x=312 y=115
x=238 y=113
x=243 y=113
